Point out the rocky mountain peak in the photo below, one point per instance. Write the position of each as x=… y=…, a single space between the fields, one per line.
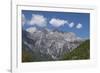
x=50 y=43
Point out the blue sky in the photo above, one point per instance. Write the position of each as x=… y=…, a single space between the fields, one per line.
x=79 y=23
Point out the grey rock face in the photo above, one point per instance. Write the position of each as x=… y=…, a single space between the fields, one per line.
x=51 y=43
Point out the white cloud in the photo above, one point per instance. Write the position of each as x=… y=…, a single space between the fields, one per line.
x=31 y=29
x=57 y=22
x=78 y=26
x=23 y=19
x=38 y=20
x=71 y=24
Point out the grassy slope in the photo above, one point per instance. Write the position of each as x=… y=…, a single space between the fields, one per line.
x=26 y=56
x=81 y=52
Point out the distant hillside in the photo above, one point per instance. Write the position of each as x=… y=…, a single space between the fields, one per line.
x=81 y=52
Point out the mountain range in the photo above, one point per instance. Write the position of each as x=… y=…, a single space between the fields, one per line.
x=47 y=45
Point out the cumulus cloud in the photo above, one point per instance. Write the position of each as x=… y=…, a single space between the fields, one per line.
x=31 y=29
x=41 y=21
x=57 y=22
x=23 y=19
x=38 y=20
x=71 y=24
x=78 y=26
